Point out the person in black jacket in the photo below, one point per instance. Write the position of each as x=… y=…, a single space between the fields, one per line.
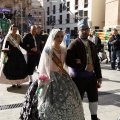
x=32 y=45
x=38 y=37
x=44 y=38
x=84 y=66
x=115 y=49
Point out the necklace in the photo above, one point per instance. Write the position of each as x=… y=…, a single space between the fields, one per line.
x=58 y=50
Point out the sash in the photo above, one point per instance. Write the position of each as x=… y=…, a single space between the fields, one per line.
x=58 y=63
x=14 y=42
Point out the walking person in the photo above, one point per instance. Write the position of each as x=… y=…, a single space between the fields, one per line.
x=38 y=37
x=30 y=44
x=44 y=38
x=54 y=96
x=67 y=37
x=96 y=40
x=114 y=43
x=13 y=67
x=84 y=66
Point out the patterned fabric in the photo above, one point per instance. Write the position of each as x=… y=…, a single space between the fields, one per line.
x=62 y=101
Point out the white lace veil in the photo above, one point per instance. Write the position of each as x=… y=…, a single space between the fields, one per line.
x=44 y=64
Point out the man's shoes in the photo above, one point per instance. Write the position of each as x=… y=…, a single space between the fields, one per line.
x=94 y=117
x=30 y=83
x=19 y=86
x=118 y=69
x=13 y=86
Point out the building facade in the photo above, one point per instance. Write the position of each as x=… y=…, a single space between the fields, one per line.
x=112 y=14
x=19 y=12
x=64 y=14
x=37 y=13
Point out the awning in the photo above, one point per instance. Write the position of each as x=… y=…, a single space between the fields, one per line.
x=5 y=9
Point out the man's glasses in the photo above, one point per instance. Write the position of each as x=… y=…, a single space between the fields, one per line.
x=59 y=36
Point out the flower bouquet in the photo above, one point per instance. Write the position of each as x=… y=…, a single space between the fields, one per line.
x=5 y=51
x=43 y=80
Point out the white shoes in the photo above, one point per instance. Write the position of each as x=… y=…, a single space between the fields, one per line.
x=118 y=69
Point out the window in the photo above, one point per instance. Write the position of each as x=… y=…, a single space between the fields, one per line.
x=68 y=18
x=54 y=9
x=39 y=20
x=68 y=6
x=48 y=21
x=39 y=13
x=76 y=17
x=35 y=13
x=60 y=8
x=85 y=3
x=76 y=4
x=60 y=20
x=54 y=19
x=85 y=13
x=48 y=10
x=80 y=14
x=97 y=27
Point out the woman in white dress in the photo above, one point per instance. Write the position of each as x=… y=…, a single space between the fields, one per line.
x=54 y=96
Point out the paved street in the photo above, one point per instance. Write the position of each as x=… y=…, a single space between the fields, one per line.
x=109 y=97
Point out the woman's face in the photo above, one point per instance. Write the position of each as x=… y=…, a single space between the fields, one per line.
x=14 y=29
x=58 y=38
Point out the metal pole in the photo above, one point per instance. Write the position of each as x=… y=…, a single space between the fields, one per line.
x=21 y=18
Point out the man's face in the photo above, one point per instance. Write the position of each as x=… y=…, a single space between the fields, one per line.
x=84 y=33
x=115 y=32
x=33 y=30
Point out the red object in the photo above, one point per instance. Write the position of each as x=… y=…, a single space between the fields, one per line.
x=98 y=85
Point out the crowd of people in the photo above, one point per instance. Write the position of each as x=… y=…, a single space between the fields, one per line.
x=66 y=70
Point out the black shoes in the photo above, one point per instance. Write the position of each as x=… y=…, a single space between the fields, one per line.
x=94 y=117
x=30 y=83
x=13 y=86
x=19 y=86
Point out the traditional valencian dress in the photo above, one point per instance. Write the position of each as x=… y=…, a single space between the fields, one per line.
x=59 y=99
x=14 y=70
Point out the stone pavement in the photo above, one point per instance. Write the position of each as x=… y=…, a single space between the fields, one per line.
x=109 y=97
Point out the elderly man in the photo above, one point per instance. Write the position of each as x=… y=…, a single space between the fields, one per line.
x=30 y=44
x=85 y=67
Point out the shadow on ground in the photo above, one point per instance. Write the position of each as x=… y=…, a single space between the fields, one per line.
x=110 y=97
x=21 y=90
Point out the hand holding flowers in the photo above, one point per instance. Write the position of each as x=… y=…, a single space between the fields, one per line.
x=42 y=81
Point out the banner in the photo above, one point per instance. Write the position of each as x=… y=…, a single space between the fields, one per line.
x=5 y=9
x=30 y=21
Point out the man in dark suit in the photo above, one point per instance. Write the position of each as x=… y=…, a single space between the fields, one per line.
x=32 y=45
x=85 y=67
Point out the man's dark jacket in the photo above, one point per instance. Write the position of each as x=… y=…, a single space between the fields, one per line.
x=76 y=50
x=116 y=46
x=28 y=43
